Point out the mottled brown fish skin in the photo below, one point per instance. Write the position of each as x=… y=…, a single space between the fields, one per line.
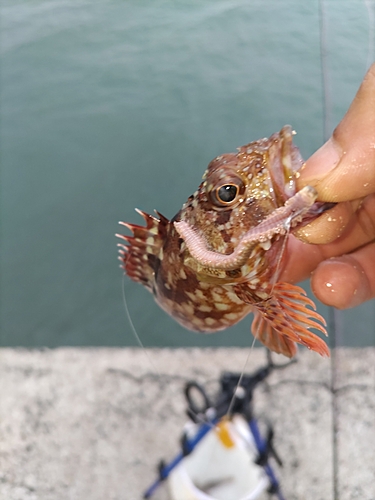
x=204 y=299
x=238 y=192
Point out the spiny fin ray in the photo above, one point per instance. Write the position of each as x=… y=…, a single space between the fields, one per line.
x=144 y=248
x=285 y=319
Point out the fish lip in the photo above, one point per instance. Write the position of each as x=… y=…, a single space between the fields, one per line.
x=286 y=134
x=284 y=161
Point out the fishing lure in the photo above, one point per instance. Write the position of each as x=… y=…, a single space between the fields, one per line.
x=220 y=257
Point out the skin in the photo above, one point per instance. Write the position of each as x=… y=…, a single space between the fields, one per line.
x=341 y=263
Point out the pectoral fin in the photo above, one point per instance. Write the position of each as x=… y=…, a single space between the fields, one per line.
x=285 y=319
x=263 y=331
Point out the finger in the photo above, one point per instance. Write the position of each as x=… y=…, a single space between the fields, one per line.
x=344 y=168
x=346 y=281
x=302 y=258
x=329 y=226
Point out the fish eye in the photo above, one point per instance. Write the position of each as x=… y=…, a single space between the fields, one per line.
x=224 y=188
x=226 y=193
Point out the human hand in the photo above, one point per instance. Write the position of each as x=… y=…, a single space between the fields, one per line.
x=341 y=262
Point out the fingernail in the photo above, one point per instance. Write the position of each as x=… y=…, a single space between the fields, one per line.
x=320 y=163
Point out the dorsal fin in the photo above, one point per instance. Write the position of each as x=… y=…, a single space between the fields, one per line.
x=144 y=249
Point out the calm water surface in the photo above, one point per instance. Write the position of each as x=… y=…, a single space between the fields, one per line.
x=107 y=106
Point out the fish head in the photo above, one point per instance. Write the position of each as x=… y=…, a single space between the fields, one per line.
x=239 y=190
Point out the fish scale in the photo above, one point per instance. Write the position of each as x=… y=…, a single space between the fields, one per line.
x=220 y=257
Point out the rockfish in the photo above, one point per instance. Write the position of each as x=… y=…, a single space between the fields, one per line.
x=220 y=257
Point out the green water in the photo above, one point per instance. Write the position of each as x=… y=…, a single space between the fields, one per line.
x=107 y=106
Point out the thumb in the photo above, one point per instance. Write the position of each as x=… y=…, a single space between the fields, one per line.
x=343 y=169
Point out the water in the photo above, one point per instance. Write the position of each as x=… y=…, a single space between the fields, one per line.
x=107 y=106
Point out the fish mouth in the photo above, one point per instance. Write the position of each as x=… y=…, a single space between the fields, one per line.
x=284 y=160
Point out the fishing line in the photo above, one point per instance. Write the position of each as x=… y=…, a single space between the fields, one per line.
x=235 y=392
x=279 y=260
x=255 y=335
x=133 y=329
x=333 y=314
x=140 y=343
x=326 y=96
x=197 y=416
x=370 y=5
x=274 y=280
x=232 y=401
x=275 y=277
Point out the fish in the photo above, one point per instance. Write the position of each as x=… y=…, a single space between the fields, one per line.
x=221 y=256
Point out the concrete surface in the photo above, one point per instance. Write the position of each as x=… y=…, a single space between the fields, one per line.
x=92 y=424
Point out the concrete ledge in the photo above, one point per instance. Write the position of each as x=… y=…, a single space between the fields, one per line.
x=93 y=423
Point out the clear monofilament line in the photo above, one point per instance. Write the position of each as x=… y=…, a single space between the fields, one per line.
x=370 y=5
x=285 y=239
x=231 y=404
x=279 y=260
x=327 y=127
x=197 y=416
x=134 y=331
